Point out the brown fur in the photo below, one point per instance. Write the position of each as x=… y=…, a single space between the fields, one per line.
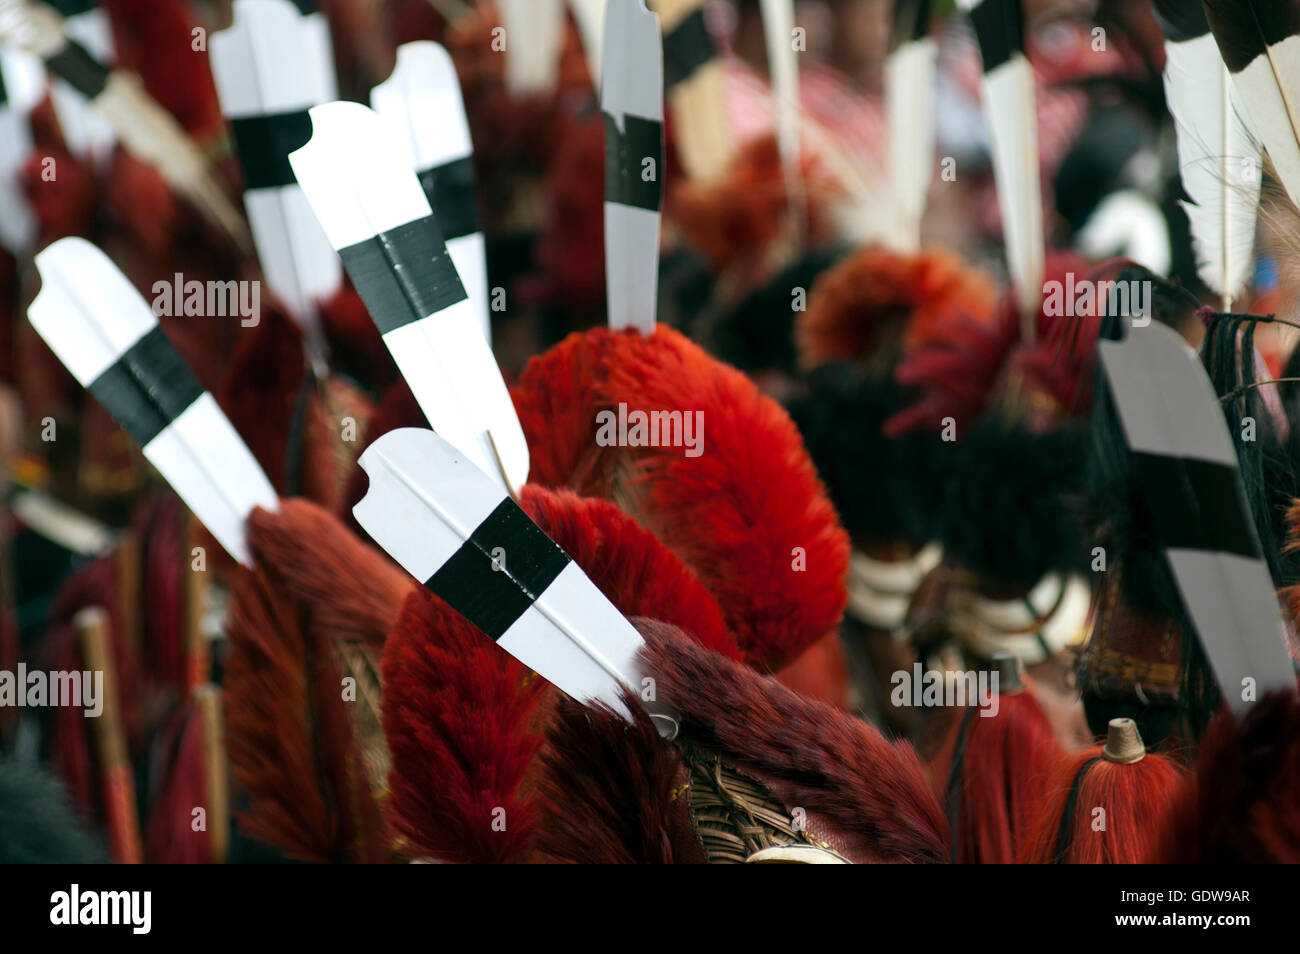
x=812 y=755
x=290 y=738
x=613 y=792
x=355 y=592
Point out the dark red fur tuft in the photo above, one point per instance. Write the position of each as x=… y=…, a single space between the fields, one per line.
x=963 y=368
x=1241 y=804
x=556 y=398
x=872 y=793
x=612 y=792
x=457 y=712
x=291 y=741
x=734 y=218
x=354 y=591
x=876 y=293
x=261 y=392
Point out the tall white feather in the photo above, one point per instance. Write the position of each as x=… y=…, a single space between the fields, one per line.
x=1219 y=163
x=1010 y=110
x=268 y=62
x=427 y=504
x=632 y=88
x=1168 y=409
x=1269 y=84
x=534 y=30
x=362 y=188
x=422 y=107
x=909 y=101
x=783 y=65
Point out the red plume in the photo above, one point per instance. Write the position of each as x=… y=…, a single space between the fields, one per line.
x=991 y=771
x=748 y=516
x=963 y=367
x=1134 y=799
x=457 y=716
x=734 y=218
x=634 y=570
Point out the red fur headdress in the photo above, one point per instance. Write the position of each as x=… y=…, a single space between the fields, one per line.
x=748 y=515
x=966 y=367
x=612 y=792
x=877 y=298
x=459 y=718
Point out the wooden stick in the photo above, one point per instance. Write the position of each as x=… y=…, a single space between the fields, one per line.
x=207 y=702
x=110 y=740
x=196 y=581
x=128 y=588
